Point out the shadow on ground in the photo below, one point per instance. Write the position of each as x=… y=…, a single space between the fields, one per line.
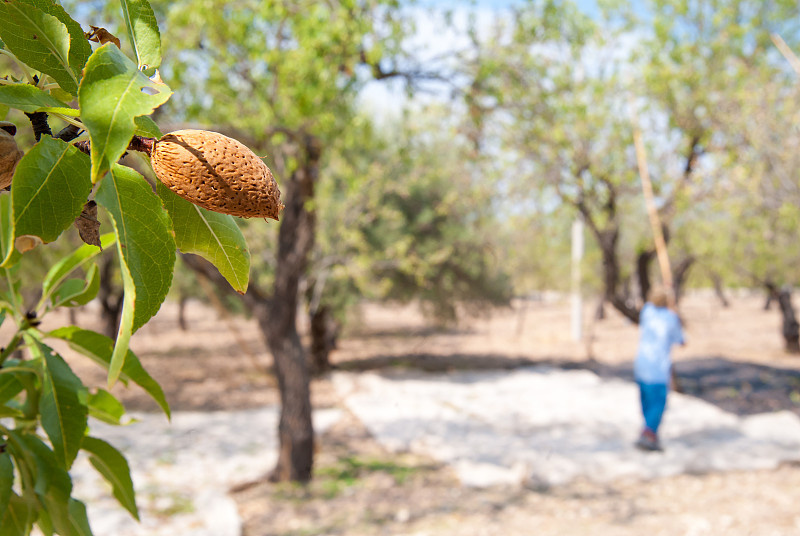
x=734 y=386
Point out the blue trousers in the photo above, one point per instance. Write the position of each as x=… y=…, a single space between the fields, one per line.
x=654 y=400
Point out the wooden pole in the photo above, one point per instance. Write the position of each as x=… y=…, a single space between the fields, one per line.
x=649 y=199
x=655 y=223
x=790 y=56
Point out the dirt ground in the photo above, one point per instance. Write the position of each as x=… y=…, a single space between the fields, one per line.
x=734 y=358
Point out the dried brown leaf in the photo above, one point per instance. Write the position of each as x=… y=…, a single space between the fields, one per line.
x=88 y=226
x=25 y=243
x=9 y=156
x=102 y=36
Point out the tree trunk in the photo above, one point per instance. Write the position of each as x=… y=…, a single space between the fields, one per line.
x=600 y=310
x=791 y=328
x=324 y=332
x=643 y=260
x=277 y=317
x=279 y=321
x=110 y=297
x=772 y=294
x=295 y=429
x=182 y=313
x=680 y=274
x=608 y=239
x=717 y=281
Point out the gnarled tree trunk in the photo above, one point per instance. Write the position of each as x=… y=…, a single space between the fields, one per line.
x=608 y=238
x=279 y=321
x=277 y=317
x=717 y=282
x=182 y=322
x=643 y=261
x=324 y=332
x=791 y=329
x=680 y=275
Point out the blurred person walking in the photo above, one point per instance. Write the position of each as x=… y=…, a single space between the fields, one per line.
x=659 y=328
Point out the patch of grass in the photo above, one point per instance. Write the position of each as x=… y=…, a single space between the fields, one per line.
x=178 y=504
x=291 y=491
x=350 y=470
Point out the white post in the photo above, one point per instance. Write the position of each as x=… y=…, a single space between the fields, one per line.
x=576 y=301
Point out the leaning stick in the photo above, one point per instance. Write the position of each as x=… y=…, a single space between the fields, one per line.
x=790 y=56
x=655 y=222
x=649 y=200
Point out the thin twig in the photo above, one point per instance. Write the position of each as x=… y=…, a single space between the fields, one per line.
x=39 y=123
x=790 y=56
x=137 y=143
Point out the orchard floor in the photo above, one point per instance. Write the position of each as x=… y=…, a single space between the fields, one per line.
x=734 y=360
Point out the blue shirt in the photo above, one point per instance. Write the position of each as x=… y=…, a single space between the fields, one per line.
x=660 y=328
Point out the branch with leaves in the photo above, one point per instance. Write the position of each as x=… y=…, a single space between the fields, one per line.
x=105 y=99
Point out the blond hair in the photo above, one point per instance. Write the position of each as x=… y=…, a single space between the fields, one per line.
x=658 y=296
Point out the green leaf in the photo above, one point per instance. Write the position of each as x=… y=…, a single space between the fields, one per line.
x=63 y=406
x=213 y=236
x=99 y=349
x=56 y=275
x=146 y=127
x=25 y=465
x=143 y=31
x=62 y=110
x=75 y=292
x=27 y=98
x=61 y=95
x=6 y=480
x=79 y=48
x=9 y=387
x=53 y=485
x=18 y=518
x=14 y=413
x=110 y=463
x=112 y=93
x=8 y=253
x=45 y=524
x=146 y=251
x=51 y=184
x=40 y=40
x=105 y=407
x=78 y=518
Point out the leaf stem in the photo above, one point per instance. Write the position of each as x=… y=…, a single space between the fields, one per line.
x=10 y=348
x=137 y=143
x=80 y=139
x=11 y=293
x=70 y=120
x=69 y=133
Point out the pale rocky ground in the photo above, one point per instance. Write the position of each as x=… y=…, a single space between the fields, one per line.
x=541 y=472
